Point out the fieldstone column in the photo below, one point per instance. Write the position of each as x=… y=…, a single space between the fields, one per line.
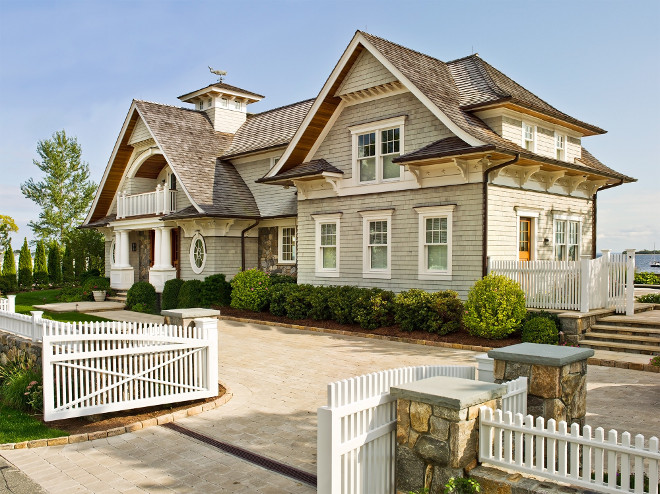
x=437 y=432
x=557 y=378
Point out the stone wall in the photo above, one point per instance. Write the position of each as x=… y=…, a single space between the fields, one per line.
x=10 y=343
x=268 y=253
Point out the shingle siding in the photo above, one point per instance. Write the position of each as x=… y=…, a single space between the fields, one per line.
x=140 y=133
x=223 y=256
x=366 y=72
x=271 y=200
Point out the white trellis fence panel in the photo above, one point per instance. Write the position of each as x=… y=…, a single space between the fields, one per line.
x=515 y=399
x=101 y=367
x=357 y=429
x=551 y=451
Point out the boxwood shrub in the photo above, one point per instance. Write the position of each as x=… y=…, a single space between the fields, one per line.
x=495 y=307
x=298 y=303
x=373 y=308
x=170 y=297
x=250 y=290
x=540 y=330
x=319 y=299
x=276 y=279
x=190 y=294
x=278 y=296
x=341 y=304
x=143 y=295
x=216 y=290
x=439 y=312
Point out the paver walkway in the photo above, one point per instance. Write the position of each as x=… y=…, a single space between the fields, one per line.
x=279 y=378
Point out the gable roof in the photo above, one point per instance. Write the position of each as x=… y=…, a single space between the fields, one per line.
x=227 y=87
x=314 y=167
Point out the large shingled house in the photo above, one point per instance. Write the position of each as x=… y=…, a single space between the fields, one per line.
x=405 y=171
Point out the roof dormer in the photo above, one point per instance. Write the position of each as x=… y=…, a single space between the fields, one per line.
x=225 y=105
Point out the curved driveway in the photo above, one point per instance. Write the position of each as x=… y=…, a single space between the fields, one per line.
x=279 y=378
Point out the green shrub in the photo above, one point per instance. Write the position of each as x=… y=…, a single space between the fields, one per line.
x=55 y=264
x=170 y=297
x=40 y=264
x=373 y=308
x=73 y=294
x=655 y=361
x=495 y=307
x=25 y=266
x=278 y=296
x=439 y=312
x=540 y=330
x=216 y=290
x=250 y=290
x=462 y=485
x=190 y=294
x=67 y=272
x=542 y=313
x=9 y=271
x=96 y=283
x=142 y=308
x=92 y=273
x=647 y=278
x=277 y=279
x=649 y=298
x=341 y=304
x=298 y=303
x=319 y=299
x=142 y=293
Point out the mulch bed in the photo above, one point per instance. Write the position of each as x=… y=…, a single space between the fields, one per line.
x=461 y=337
x=95 y=423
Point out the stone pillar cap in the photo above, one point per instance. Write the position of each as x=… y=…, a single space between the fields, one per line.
x=535 y=353
x=192 y=313
x=450 y=392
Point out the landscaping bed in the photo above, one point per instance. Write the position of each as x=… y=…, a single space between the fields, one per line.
x=461 y=336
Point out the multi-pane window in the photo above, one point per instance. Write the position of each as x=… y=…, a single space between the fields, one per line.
x=560 y=146
x=367 y=156
x=288 y=244
x=200 y=105
x=224 y=102
x=328 y=247
x=435 y=244
x=378 y=244
x=434 y=257
x=389 y=149
x=528 y=137
x=567 y=240
x=238 y=105
x=376 y=146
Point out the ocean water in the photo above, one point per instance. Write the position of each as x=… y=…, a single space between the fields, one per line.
x=642 y=262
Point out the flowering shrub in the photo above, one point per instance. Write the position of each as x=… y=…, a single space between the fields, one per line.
x=495 y=307
x=647 y=278
x=20 y=381
x=250 y=290
x=649 y=298
x=655 y=361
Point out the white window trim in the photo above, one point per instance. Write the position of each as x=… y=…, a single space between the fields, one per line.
x=274 y=160
x=195 y=269
x=560 y=134
x=434 y=212
x=527 y=213
x=566 y=217
x=280 y=251
x=534 y=136
x=376 y=215
x=319 y=219
x=375 y=127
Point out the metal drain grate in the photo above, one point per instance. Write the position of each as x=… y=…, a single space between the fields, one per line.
x=246 y=455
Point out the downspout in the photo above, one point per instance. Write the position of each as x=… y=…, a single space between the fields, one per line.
x=593 y=220
x=484 y=235
x=243 y=243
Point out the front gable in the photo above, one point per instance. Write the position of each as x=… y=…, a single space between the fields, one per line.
x=367 y=72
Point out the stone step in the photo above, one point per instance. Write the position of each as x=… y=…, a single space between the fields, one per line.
x=629 y=322
x=654 y=340
x=620 y=347
x=117 y=299
x=627 y=330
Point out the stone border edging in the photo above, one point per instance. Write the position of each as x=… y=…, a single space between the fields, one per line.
x=442 y=344
x=116 y=431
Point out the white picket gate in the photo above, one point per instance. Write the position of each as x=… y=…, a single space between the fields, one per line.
x=101 y=367
x=526 y=445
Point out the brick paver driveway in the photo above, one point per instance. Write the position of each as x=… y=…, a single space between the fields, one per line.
x=279 y=378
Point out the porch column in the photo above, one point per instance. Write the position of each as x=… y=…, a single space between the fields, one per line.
x=117 y=260
x=166 y=247
x=121 y=272
x=157 y=243
x=125 y=248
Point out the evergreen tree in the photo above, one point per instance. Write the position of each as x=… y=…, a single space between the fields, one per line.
x=25 y=266
x=40 y=264
x=9 y=270
x=65 y=193
x=67 y=265
x=54 y=264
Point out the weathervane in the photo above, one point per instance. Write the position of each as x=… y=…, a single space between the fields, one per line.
x=219 y=73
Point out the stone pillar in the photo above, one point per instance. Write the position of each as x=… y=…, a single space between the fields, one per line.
x=166 y=247
x=437 y=429
x=557 y=378
x=157 y=248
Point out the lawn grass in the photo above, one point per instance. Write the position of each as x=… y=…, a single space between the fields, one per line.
x=17 y=426
x=25 y=302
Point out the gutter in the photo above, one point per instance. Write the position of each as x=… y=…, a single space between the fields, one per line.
x=243 y=243
x=486 y=178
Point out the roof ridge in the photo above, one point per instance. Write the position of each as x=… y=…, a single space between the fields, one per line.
x=401 y=46
x=462 y=58
x=168 y=105
x=494 y=86
x=281 y=107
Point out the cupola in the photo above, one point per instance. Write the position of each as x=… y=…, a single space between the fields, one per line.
x=225 y=105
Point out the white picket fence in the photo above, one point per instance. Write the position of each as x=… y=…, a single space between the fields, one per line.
x=605 y=282
x=515 y=399
x=22 y=324
x=357 y=429
x=101 y=367
x=551 y=451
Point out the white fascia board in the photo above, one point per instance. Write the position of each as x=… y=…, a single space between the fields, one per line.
x=178 y=178
x=110 y=161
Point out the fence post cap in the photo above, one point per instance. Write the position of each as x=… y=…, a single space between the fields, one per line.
x=37 y=313
x=11 y=297
x=540 y=354
x=449 y=392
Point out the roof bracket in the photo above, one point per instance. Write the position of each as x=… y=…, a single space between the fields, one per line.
x=549 y=178
x=417 y=172
x=593 y=185
x=302 y=189
x=524 y=174
x=335 y=182
x=463 y=167
x=573 y=182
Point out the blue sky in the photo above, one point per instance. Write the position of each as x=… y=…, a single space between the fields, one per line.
x=77 y=66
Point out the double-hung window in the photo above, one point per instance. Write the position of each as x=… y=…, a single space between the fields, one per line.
x=567 y=238
x=327 y=244
x=560 y=146
x=376 y=244
x=435 y=239
x=287 y=245
x=529 y=137
x=375 y=145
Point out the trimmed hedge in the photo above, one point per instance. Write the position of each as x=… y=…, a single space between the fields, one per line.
x=216 y=290
x=190 y=294
x=170 y=296
x=142 y=296
x=440 y=312
x=540 y=330
x=373 y=308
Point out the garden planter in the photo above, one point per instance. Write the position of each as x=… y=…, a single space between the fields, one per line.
x=99 y=295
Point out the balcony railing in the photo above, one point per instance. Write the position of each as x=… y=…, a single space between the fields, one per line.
x=160 y=201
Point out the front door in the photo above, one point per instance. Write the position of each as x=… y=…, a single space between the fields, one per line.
x=525 y=239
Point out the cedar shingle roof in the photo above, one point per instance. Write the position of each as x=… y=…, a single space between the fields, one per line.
x=313 y=167
x=269 y=129
x=228 y=87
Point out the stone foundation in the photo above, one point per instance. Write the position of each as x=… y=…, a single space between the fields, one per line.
x=10 y=342
x=575 y=324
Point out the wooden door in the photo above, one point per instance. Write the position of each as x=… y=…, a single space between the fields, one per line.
x=175 y=251
x=525 y=239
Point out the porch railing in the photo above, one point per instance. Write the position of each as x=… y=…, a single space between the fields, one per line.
x=160 y=201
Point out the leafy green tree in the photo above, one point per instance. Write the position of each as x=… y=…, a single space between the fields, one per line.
x=65 y=193
x=54 y=263
x=68 y=274
x=7 y=225
x=88 y=248
x=40 y=264
x=9 y=271
x=25 y=266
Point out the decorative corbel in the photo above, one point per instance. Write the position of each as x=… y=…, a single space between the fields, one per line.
x=417 y=172
x=463 y=167
x=226 y=225
x=525 y=173
x=302 y=188
x=334 y=182
x=549 y=178
x=573 y=182
x=593 y=185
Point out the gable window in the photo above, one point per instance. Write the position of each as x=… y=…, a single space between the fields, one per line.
x=435 y=239
x=529 y=137
x=375 y=145
x=287 y=245
x=567 y=238
x=376 y=242
x=560 y=146
x=327 y=244
x=197 y=253
x=224 y=102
